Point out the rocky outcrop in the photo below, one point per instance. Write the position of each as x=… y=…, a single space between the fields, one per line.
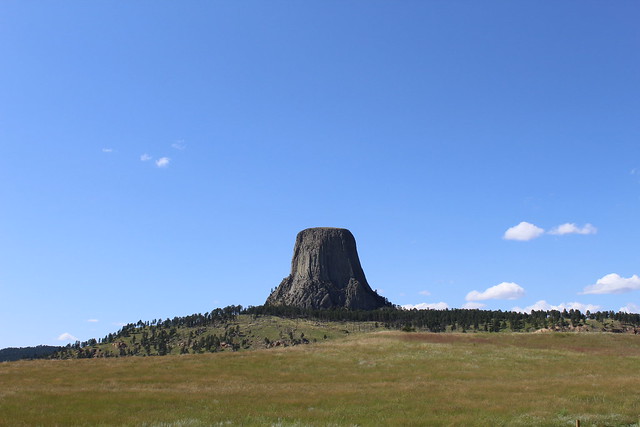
x=326 y=273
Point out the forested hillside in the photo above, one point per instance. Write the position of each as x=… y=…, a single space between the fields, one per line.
x=235 y=328
x=17 y=353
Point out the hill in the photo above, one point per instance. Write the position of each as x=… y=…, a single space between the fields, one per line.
x=240 y=332
x=233 y=328
x=17 y=353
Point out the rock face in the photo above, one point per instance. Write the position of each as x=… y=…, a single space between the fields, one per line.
x=326 y=273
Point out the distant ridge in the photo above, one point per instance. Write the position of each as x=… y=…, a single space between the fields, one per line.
x=10 y=354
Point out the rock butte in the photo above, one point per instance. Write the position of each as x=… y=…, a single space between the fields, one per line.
x=326 y=273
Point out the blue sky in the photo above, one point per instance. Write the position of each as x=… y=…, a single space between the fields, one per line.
x=158 y=158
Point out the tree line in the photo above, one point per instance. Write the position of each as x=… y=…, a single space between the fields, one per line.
x=456 y=319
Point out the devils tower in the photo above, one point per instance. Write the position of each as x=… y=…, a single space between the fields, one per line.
x=326 y=273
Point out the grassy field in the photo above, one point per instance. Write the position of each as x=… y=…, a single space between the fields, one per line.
x=363 y=379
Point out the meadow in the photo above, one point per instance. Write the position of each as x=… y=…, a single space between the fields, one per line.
x=374 y=378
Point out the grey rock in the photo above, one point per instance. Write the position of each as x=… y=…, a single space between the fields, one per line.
x=326 y=273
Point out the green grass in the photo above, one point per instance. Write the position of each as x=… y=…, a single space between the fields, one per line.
x=364 y=379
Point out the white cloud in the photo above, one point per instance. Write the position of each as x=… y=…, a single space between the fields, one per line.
x=119 y=323
x=179 y=144
x=67 y=337
x=145 y=157
x=523 y=232
x=527 y=231
x=630 y=308
x=613 y=284
x=425 y=293
x=92 y=320
x=473 y=305
x=163 y=162
x=571 y=228
x=107 y=150
x=505 y=290
x=545 y=306
x=427 y=306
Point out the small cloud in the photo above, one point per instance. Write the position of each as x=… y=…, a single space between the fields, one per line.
x=67 y=337
x=426 y=306
x=163 y=162
x=93 y=320
x=425 y=293
x=473 y=305
x=630 y=308
x=107 y=150
x=523 y=232
x=145 y=157
x=119 y=323
x=179 y=144
x=571 y=228
x=505 y=290
x=380 y=291
x=542 y=305
x=613 y=284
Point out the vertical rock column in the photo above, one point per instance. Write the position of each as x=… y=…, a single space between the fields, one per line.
x=326 y=273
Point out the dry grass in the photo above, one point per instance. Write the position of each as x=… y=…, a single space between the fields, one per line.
x=372 y=379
